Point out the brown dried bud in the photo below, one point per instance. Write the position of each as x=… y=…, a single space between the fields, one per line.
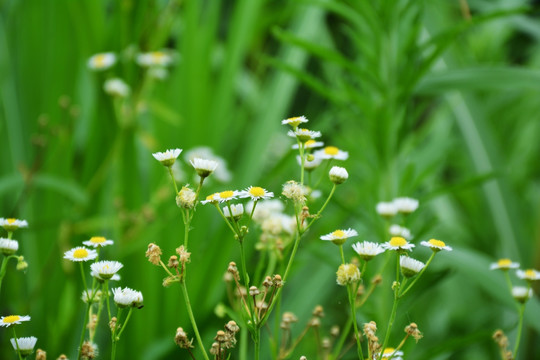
x=62 y=357
x=254 y=291
x=89 y=350
x=173 y=262
x=232 y=268
x=41 y=355
x=112 y=323
x=326 y=343
x=289 y=317
x=227 y=277
x=181 y=339
x=215 y=349
x=276 y=281
x=153 y=254
x=267 y=282
x=318 y=311
x=232 y=327
x=185 y=256
x=221 y=336
x=315 y=322
x=334 y=331
x=412 y=329
x=376 y=280
x=361 y=290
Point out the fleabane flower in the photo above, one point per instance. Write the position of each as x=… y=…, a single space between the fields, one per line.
x=295 y=191
x=347 y=274
x=106 y=269
x=368 y=250
x=294 y=121
x=436 y=245
x=154 y=58
x=80 y=253
x=11 y=320
x=11 y=224
x=168 y=157
x=529 y=274
x=304 y=135
x=226 y=195
x=504 y=264
x=204 y=167
x=98 y=242
x=127 y=297
x=236 y=209
x=24 y=344
x=396 y=230
x=338 y=175
x=522 y=293
x=410 y=266
x=212 y=198
x=310 y=144
x=397 y=355
x=102 y=61
x=405 y=205
x=186 y=198
x=8 y=246
x=116 y=87
x=386 y=209
x=256 y=193
x=332 y=152
x=311 y=162
x=339 y=237
x=398 y=243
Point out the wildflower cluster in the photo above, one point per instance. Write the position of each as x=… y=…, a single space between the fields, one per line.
x=9 y=246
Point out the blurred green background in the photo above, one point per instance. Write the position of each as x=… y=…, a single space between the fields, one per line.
x=437 y=100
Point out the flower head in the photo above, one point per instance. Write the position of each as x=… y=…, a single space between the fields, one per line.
x=338 y=175
x=155 y=58
x=396 y=230
x=294 y=121
x=529 y=274
x=347 y=274
x=80 y=253
x=11 y=320
x=98 y=242
x=8 y=246
x=304 y=135
x=204 y=167
x=11 y=224
x=102 y=61
x=226 y=195
x=310 y=162
x=391 y=352
x=127 y=297
x=398 y=243
x=386 y=209
x=405 y=205
x=436 y=245
x=186 y=198
x=332 y=152
x=106 y=269
x=256 y=193
x=310 y=144
x=339 y=237
x=410 y=266
x=504 y=264
x=116 y=87
x=168 y=157
x=295 y=191
x=368 y=250
x=24 y=344
x=521 y=293
x=221 y=173
x=236 y=209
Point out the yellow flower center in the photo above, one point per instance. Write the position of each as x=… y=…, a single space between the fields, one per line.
x=80 y=253
x=11 y=221
x=295 y=121
x=398 y=241
x=100 y=60
x=210 y=197
x=226 y=194
x=388 y=351
x=158 y=55
x=504 y=263
x=310 y=142
x=338 y=234
x=256 y=191
x=529 y=274
x=11 y=319
x=331 y=150
x=97 y=239
x=437 y=243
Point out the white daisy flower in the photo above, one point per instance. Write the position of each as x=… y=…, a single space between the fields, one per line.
x=106 y=269
x=155 y=58
x=310 y=144
x=80 y=253
x=338 y=175
x=405 y=205
x=265 y=208
x=304 y=134
x=127 y=297
x=227 y=195
x=102 y=61
x=11 y=320
x=158 y=73
x=396 y=230
x=436 y=245
x=410 y=266
x=386 y=209
x=398 y=243
x=237 y=211
x=310 y=162
x=8 y=246
x=256 y=193
x=339 y=237
x=295 y=191
x=116 y=87
x=521 y=293
x=94 y=274
x=397 y=355
x=221 y=173
x=204 y=167
x=87 y=295
x=11 y=224
x=368 y=250
x=504 y=264
x=294 y=121
x=212 y=198
x=332 y=152
x=98 y=242
x=24 y=344
x=529 y=274
x=168 y=157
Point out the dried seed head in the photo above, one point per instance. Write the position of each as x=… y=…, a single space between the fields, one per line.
x=227 y=277
x=412 y=329
x=112 y=323
x=376 y=280
x=295 y=191
x=240 y=291
x=186 y=198
x=261 y=304
x=289 y=317
x=89 y=350
x=334 y=331
x=253 y=291
x=361 y=290
x=318 y=311
x=221 y=336
x=215 y=349
x=501 y=339
x=173 y=262
x=181 y=339
x=267 y=282
x=185 y=256
x=276 y=281
x=232 y=327
x=153 y=254
x=169 y=280
x=315 y=322
x=303 y=358
x=92 y=322
x=41 y=355
x=62 y=357
x=326 y=343
x=232 y=268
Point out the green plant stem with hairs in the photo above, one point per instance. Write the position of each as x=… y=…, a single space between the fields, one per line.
x=3 y=267
x=520 y=328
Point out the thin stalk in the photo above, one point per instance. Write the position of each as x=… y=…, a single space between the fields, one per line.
x=106 y=292
x=417 y=276
x=322 y=208
x=113 y=333
x=257 y=340
x=17 y=343
x=520 y=328
x=508 y=281
x=192 y=319
x=83 y=331
x=341 y=253
x=173 y=180
x=125 y=323
x=390 y=322
x=3 y=268
x=352 y=303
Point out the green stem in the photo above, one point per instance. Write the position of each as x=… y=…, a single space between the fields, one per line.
x=390 y=322
x=124 y=324
x=257 y=340
x=352 y=303
x=83 y=331
x=417 y=276
x=322 y=208
x=508 y=281
x=17 y=343
x=192 y=319
x=520 y=328
x=106 y=293
x=3 y=268
x=225 y=218
x=302 y=161
x=173 y=180
x=113 y=333
x=341 y=253
x=246 y=279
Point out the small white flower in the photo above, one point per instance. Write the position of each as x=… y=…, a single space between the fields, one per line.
x=397 y=355
x=339 y=237
x=386 y=209
x=24 y=344
x=168 y=157
x=11 y=224
x=98 y=242
x=102 y=61
x=94 y=274
x=410 y=266
x=294 y=121
x=529 y=274
x=265 y=208
x=332 y=152
x=80 y=253
x=11 y=320
x=310 y=144
x=405 y=205
x=338 y=175
x=396 y=230
x=204 y=167
x=295 y=191
x=106 y=269
x=155 y=58
x=227 y=195
x=127 y=297
x=8 y=246
x=87 y=295
x=504 y=264
x=310 y=162
x=521 y=293
x=256 y=193
x=212 y=198
x=367 y=250
x=398 y=243
x=304 y=134
x=237 y=211
x=116 y=87
x=436 y=245
x=221 y=173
